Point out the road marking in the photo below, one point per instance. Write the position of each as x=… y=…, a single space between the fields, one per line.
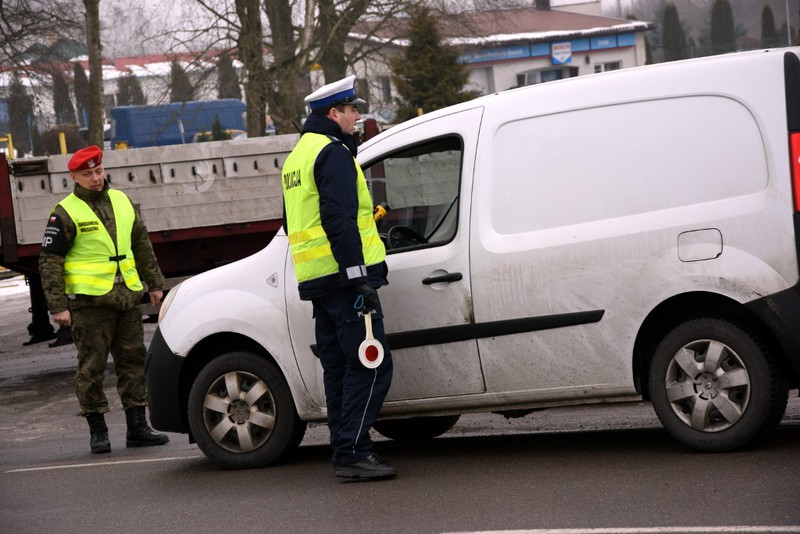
x=645 y=530
x=96 y=464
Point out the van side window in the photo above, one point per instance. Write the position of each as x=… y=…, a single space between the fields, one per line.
x=420 y=187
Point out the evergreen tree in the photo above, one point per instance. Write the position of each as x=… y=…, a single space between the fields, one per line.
x=218 y=132
x=51 y=144
x=123 y=91
x=138 y=97
x=62 y=103
x=81 y=86
x=36 y=137
x=723 y=29
x=769 y=34
x=129 y=91
x=227 y=79
x=428 y=76
x=20 y=116
x=673 y=39
x=182 y=90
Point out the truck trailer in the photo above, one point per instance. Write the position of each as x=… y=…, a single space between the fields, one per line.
x=172 y=124
x=204 y=204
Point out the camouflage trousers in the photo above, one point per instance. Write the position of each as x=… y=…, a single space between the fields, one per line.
x=110 y=323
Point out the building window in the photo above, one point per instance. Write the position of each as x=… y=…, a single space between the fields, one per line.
x=605 y=67
x=551 y=75
x=362 y=90
x=386 y=89
x=532 y=77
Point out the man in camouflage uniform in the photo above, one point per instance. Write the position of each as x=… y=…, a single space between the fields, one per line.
x=94 y=251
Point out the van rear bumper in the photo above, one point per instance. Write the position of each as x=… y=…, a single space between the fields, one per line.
x=781 y=314
x=163 y=370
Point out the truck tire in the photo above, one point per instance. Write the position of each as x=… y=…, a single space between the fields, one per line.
x=241 y=412
x=416 y=428
x=715 y=386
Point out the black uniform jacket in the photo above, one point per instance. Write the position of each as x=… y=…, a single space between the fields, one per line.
x=335 y=176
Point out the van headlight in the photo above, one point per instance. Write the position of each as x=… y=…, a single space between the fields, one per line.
x=165 y=304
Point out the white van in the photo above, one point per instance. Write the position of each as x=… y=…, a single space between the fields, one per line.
x=623 y=236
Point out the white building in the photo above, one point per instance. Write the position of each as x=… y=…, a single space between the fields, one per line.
x=503 y=49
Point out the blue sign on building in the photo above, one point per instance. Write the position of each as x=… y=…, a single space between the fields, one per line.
x=547 y=49
x=496 y=54
x=607 y=41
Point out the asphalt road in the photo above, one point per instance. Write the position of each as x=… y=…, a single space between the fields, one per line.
x=596 y=469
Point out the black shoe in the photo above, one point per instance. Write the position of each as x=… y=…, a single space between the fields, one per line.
x=63 y=337
x=98 y=442
x=139 y=434
x=370 y=468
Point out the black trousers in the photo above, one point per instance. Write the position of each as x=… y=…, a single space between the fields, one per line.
x=354 y=394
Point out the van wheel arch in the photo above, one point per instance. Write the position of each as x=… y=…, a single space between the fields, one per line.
x=680 y=309
x=206 y=351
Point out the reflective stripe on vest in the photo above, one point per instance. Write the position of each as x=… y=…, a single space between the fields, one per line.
x=311 y=250
x=92 y=262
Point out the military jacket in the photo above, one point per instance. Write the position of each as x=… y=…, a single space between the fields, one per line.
x=59 y=236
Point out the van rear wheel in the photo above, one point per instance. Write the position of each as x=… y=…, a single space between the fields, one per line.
x=714 y=385
x=241 y=412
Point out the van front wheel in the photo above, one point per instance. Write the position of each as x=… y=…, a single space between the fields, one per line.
x=241 y=412
x=714 y=385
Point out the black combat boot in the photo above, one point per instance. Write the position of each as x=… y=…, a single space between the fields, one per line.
x=139 y=434
x=97 y=427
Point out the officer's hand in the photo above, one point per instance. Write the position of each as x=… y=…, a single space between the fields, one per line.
x=367 y=294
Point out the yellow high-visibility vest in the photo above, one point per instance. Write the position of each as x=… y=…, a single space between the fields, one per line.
x=92 y=262
x=311 y=250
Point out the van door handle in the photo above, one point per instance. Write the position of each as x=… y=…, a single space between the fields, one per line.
x=450 y=277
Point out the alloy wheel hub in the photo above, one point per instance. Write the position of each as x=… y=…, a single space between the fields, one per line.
x=239 y=412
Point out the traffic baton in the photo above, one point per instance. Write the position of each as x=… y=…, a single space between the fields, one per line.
x=370 y=352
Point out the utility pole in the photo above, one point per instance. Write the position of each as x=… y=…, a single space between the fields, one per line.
x=788 y=26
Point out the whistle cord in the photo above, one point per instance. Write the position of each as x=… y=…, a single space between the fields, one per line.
x=358 y=305
x=366 y=407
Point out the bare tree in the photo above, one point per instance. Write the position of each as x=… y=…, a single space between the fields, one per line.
x=295 y=34
x=30 y=33
x=334 y=26
x=251 y=54
x=95 y=50
x=24 y=23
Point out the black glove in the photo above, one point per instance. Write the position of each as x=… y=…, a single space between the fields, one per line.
x=367 y=295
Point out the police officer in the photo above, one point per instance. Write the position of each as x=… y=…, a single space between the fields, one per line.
x=95 y=254
x=339 y=262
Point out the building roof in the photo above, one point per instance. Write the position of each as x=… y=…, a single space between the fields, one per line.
x=508 y=26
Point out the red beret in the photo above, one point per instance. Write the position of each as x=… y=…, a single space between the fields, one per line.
x=86 y=158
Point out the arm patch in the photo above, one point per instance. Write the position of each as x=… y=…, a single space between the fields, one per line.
x=55 y=241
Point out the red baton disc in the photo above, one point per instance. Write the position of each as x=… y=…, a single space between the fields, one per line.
x=370 y=352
